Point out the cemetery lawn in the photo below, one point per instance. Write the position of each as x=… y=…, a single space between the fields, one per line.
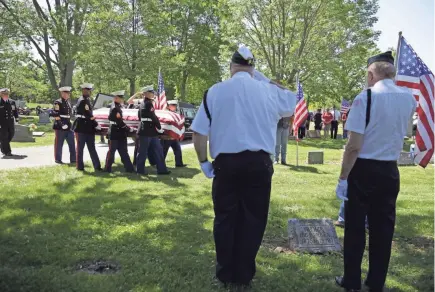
x=158 y=230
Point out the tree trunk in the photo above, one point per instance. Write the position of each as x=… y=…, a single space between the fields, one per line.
x=67 y=74
x=132 y=85
x=183 y=85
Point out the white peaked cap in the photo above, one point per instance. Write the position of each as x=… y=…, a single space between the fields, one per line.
x=147 y=88
x=65 y=88
x=87 y=86
x=245 y=53
x=174 y=102
x=119 y=93
x=4 y=90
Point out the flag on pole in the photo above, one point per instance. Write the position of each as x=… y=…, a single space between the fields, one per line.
x=345 y=106
x=160 y=103
x=413 y=73
x=301 y=111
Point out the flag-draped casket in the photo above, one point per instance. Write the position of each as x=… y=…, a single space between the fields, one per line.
x=171 y=122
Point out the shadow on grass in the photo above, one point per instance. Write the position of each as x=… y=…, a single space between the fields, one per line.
x=323 y=143
x=304 y=168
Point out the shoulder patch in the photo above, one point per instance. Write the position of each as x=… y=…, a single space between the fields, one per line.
x=118 y=115
x=56 y=107
x=86 y=107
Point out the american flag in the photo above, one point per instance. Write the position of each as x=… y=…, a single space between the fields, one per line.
x=345 y=106
x=160 y=103
x=413 y=73
x=301 y=111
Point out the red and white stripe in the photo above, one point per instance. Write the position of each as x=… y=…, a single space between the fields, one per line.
x=423 y=91
x=301 y=115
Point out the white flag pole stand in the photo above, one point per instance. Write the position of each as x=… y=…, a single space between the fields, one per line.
x=297 y=150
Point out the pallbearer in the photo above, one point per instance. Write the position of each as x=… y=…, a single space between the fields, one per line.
x=240 y=117
x=369 y=180
x=62 y=126
x=118 y=134
x=85 y=128
x=8 y=118
x=174 y=144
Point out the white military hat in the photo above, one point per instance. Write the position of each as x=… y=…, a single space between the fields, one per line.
x=119 y=93
x=174 y=102
x=65 y=88
x=4 y=90
x=87 y=86
x=147 y=88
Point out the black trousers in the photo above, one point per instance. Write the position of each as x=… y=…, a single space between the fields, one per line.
x=372 y=192
x=334 y=129
x=241 y=196
x=121 y=147
x=301 y=132
x=7 y=132
x=176 y=148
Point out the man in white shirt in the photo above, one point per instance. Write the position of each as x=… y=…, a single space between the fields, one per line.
x=369 y=180
x=334 y=123
x=240 y=117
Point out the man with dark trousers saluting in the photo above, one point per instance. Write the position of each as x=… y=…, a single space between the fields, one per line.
x=8 y=118
x=85 y=128
x=62 y=125
x=369 y=181
x=118 y=131
x=240 y=117
x=147 y=135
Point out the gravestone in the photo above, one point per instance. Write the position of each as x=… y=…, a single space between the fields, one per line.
x=313 y=134
x=339 y=136
x=406 y=158
x=44 y=118
x=313 y=236
x=315 y=157
x=22 y=134
x=291 y=137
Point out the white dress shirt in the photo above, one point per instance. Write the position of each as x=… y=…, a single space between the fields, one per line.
x=336 y=116
x=244 y=115
x=391 y=109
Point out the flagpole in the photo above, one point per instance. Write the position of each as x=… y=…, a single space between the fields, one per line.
x=296 y=134
x=398 y=52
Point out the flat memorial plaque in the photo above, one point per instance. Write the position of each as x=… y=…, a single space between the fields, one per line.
x=406 y=158
x=313 y=236
x=38 y=134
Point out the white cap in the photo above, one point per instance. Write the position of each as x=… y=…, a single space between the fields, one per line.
x=174 y=102
x=87 y=86
x=120 y=93
x=147 y=88
x=6 y=90
x=65 y=88
x=245 y=53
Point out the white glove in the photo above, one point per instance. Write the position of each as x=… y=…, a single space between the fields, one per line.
x=65 y=127
x=16 y=121
x=98 y=128
x=207 y=169
x=161 y=131
x=131 y=130
x=341 y=190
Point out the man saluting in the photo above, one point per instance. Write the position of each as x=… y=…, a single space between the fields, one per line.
x=240 y=117
x=369 y=181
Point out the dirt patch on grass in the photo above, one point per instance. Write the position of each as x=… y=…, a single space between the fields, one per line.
x=98 y=267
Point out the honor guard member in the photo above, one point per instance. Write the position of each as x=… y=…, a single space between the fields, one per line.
x=62 y=112
x=369 y=180
x=85 y=128
x=240 y=117
x=148 y=132
x=8 y=118
x=118 y=132
x=174 y=144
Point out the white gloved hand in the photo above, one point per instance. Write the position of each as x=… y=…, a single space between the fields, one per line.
x=65 y=127
x=341 y=190
x=131 y=130
x=98 y=128
x=16 y=121
x=207 y=169
x=161 y=131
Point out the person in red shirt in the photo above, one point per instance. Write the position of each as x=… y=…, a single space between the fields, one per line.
x=327 y=119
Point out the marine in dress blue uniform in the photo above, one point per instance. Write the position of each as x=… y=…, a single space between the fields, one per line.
x=147 y=135
x=369 y=181
x=239 y=116
x=174 y=144
x=62 y=127
x=8 y=118
x=118 y=132
x=85 y=128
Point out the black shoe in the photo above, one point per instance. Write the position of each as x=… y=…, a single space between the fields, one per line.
x=340 y=282
x=164 y=173
x=58 y=162
x=80 y=169
x=182 y=165
x=145 y=173
x=9 y=154
x=283 y=163
x=99 y=169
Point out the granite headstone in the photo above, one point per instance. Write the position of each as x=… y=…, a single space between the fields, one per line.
x=313 y=236
x=313 y=134
x=406 y=158
x=44 y=118
x=315 y=157
x=22 y=134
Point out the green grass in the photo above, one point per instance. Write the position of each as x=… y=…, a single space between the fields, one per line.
x=42 y=105
x=159 y=229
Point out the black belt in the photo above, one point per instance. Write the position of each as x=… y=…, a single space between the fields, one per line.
x=243 y=153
